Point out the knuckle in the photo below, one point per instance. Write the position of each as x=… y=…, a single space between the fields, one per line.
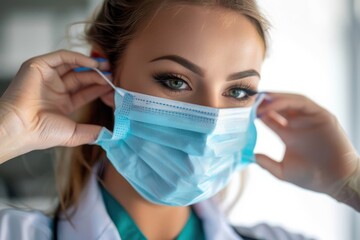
x=28 y=63
x=304 y=99
x=301 y=97
x=61 y=51
x=332 y=118
x=33 y=63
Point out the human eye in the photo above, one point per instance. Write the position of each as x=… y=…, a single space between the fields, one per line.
x=173 y=82
x=241 y=92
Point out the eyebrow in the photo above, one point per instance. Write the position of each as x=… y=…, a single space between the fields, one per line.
x=196 y=69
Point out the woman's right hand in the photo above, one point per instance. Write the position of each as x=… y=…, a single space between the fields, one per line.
x=35 y=108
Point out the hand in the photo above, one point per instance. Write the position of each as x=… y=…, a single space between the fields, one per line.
x=36 y=106
x=318 y=154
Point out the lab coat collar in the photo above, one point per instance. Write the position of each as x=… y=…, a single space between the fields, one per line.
x=91 y=221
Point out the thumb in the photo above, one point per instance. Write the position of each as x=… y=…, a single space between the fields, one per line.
x=270 y=165
x=83 y=134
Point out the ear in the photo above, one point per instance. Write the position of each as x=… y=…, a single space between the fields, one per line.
x=107 y=99
x=97 y=53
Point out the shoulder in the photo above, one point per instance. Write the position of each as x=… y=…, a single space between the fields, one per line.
x=267 y=232
x=18 y=224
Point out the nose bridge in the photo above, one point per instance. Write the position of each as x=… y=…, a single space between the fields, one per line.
x=209 y=97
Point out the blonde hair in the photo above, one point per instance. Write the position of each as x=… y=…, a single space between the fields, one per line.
x=113 y=27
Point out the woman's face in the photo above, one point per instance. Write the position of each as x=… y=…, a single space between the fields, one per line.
x=205 y=56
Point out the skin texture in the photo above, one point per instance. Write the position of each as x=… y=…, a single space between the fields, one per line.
x=36 y=105
x=221 y=42
x=318 y=154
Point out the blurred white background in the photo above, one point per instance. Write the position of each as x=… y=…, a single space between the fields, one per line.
x=314 y=51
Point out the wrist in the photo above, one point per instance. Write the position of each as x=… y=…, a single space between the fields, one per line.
x=12 y=134
x=349 y=190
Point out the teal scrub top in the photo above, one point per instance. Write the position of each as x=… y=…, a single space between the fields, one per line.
x=127 y=228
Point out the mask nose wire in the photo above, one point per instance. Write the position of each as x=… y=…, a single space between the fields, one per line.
x=107 y=80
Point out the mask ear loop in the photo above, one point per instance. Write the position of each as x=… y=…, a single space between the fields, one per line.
x=260 y=97
x=108 y=81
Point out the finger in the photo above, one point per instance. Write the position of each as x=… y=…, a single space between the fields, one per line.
x=277 y=118
x=303 y=122
x=89 y=94
x=83 y=134
x=288 y=102
x=276 y=123
x=270 y=165
x=47 y=63
x=104 y=64
x=66 y=68
x=74 y=81
x=109 y=99
x=271 y=96
x=61 y=57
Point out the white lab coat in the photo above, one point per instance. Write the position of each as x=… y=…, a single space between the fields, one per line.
x=91 y=221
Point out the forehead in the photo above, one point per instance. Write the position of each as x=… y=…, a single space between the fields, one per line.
x=197 y=32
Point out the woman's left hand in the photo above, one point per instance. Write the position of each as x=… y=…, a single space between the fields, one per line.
x=318 y=154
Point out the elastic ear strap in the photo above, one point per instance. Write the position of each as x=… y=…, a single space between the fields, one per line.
x=107 y=80
x=261 y=96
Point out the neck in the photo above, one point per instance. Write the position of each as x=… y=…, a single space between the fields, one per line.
x=154 y=221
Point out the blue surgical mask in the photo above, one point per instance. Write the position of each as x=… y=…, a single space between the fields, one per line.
x=175 y=153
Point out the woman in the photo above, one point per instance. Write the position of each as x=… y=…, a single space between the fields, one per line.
x=205 y=55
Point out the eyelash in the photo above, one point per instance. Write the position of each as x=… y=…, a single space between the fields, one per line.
x=247 y=88
x=163 y=78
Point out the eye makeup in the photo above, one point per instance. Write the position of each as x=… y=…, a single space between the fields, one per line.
x=174 y=82
x=240 y=91
x=177 y=83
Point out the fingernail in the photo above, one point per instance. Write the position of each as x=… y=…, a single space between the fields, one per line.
x=98 y=59
x=85 y=69
x=81 y=69
x=267 y=97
